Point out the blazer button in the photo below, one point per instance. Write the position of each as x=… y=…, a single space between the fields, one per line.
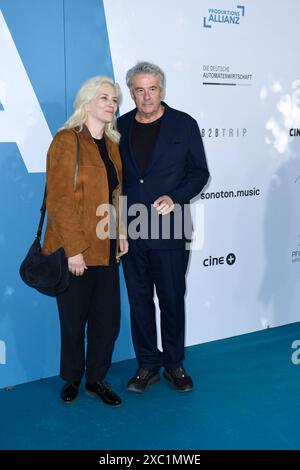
x=141 y=181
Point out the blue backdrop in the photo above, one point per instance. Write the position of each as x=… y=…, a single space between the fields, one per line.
x=61 y=43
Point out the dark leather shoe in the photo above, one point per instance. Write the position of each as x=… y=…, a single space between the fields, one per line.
x=102 y=390
x=142 y=379
x=69 y=392
x=181 y=381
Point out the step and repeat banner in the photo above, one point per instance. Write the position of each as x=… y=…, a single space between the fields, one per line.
x=231 y=66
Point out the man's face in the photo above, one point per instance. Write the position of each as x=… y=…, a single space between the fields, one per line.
x=147 y=94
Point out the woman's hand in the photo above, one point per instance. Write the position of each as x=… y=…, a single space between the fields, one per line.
x=123 y=247
x=77 y=265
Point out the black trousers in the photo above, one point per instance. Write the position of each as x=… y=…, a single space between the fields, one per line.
x=91 y=300
x=164 y=269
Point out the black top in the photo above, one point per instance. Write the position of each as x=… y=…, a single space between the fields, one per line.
x=143 y=140
x=112 y=184
x=110 y=169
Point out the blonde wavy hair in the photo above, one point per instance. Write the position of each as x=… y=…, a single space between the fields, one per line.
x=87 y=92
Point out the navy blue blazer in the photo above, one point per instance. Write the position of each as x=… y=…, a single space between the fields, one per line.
x=177 y=166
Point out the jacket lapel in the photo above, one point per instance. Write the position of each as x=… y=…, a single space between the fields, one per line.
x=127 y=140
x=164 y=137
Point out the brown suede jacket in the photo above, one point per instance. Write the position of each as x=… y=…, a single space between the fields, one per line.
x=72 y=218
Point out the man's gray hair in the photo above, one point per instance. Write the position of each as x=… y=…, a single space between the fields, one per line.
x=145 y=67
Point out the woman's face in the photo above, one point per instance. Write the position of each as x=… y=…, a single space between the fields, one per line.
x=104 y=105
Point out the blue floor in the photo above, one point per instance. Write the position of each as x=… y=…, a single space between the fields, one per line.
x=247 y=396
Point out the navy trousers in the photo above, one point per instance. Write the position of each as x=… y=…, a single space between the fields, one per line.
x=165 y=269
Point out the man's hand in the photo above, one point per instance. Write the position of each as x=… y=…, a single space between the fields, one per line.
x=77 y=265
x=123 y=247
x=164 y=205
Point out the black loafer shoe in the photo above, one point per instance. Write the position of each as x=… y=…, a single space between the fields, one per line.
x=142 y=379
x=181 y=381
x=102 y=390
x=69 y=392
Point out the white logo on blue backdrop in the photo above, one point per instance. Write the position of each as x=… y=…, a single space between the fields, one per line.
x=21 y=117
x=2 y=352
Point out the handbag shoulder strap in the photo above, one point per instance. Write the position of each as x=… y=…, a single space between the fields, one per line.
x=43 y=208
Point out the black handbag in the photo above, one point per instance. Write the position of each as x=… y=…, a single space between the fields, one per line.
x=49 y=274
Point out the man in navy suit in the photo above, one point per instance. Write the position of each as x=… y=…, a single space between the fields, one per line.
x=164 y=167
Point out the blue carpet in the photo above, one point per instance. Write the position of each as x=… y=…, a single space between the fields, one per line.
x=246 y=397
